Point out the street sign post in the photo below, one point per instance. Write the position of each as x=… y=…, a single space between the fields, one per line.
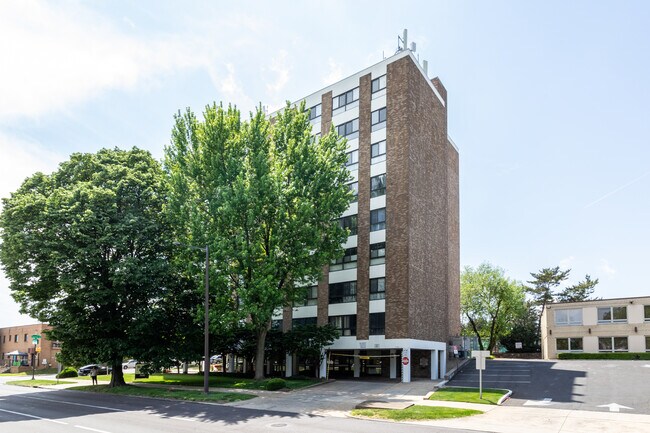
x=480 y=356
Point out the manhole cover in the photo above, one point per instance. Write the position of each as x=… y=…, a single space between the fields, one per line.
x=279 y=424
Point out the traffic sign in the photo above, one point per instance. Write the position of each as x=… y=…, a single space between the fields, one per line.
x=38 y=350
x=405 y=360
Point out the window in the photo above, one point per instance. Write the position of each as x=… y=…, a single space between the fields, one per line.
x=612 y=315
x=378 y=219
x=303 y=321
x=353 y=160
x=647 y=343
x=378 y=185
x=315 y=112
x=16 y=338
x=377 y=288
x=378 y=119
x=568 y=317
x=276 y=324
x=343 y=292
x=378 y=152
x=348 y=261
x=311 y=297
x=347 y=325
x=354 y=187
x=25 y=337
x=612 y=344
x=378 y=84
x=349 y=130
x=378 y=253
x=568 y=344
x=56 y=345
x=345 y=100
x=350 y=223
x=3 y=338
x=646 y=312
x=377 y=323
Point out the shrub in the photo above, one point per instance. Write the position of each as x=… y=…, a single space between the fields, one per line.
x=275 y=384
x=67 y=372
x=606 y=355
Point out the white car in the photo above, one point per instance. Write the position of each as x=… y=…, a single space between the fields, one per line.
x=129 y=364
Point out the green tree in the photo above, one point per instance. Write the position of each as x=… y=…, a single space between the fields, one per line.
x=581 y=291
x=543 y=284
x=266 y=197
x=524 y=330
x=489 y=301
x=87 y=248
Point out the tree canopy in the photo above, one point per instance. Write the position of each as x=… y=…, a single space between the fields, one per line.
x=489 y=303
x=87 y=249
x=265 y=196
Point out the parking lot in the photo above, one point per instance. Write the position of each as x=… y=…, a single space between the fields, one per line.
x=609 y=386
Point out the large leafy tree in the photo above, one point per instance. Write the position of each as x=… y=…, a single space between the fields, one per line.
x=87 y=249
x=581 y=291
x=265 y=197
x=489 y=302
x=523 y=330
x=542 y=288
x=307 y=342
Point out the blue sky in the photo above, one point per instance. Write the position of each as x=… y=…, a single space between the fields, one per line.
x=548 y=103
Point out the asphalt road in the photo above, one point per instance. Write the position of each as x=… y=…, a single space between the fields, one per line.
x=574 y=385
x=25 y=410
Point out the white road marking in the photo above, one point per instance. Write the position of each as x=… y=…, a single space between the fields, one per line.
x=615 y=407
x=545 y=402
x=34 y=416
x=77 y=404
x=91 y=429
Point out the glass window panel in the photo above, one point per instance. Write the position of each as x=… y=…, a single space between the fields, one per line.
x=377 y=288
x=378 y=185
x=605 y=314
x=620 y=344
x=378 y=253
x=561 y=317
x=576 y=343
x=378 y=219
x=354 y=187
x=575 y=316
x=562 y=344
x=605 y=344
x=647 y=343
x=619 y=313
x=377 y=323
x=646 y=311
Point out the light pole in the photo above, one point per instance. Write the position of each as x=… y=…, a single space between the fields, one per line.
x=206 y=324
x=35 y=339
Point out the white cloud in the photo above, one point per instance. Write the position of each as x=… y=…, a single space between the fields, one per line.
x=335 y=72
x=607 y=268
x=58 y=55
x=565 y=263
x=279 y=66
x=22 y=158
x=227 y=83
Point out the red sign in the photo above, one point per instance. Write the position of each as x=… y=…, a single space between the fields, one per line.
x=405 y=360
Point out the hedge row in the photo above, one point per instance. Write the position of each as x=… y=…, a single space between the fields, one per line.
x=606 y=355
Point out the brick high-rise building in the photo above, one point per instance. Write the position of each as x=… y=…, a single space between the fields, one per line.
x=395 y=295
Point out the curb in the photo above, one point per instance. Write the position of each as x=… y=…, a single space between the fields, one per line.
x=505 y=397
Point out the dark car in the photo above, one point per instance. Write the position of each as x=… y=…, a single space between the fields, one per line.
x=101 y=369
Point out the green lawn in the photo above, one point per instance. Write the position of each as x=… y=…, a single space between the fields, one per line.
x=36 y=382
x=468 y=395
x=197 y=380
x=219 y=397
x=416 y=413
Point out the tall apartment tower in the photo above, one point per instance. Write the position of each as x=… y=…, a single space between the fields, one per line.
x=395 y=295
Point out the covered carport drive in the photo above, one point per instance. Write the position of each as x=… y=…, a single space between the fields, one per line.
x=392 y=359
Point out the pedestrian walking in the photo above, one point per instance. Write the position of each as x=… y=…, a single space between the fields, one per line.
x=93 y=375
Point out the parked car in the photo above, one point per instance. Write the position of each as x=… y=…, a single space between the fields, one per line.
x=101 y=369
x=129 y=364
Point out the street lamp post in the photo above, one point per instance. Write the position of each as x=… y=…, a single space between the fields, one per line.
x=206 y=324
x=35 y=339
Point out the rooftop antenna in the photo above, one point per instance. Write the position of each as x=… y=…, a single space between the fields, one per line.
x=404 y=41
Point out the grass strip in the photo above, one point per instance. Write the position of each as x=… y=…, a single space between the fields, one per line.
x=36 y=382
x=416 y=413
x=468 y=395
x=218 y=397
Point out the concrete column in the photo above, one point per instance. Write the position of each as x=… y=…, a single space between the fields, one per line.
x=288 y=370
x=393 y=365
x=406 y=369
x=324 y=365
x=357 y=364
x=434 y=365
x=443 y=363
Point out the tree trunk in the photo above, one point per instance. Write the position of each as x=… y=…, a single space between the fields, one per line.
x=259 y=354
x=471 y=322
x=186 y=367
x=117 y=378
